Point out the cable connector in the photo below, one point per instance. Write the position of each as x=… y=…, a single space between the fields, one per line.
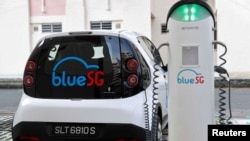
x=221 y=71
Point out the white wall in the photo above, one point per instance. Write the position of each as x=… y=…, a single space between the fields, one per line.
x=75 y=15
x=15 y=41
x=160 y=10
x=102 y=10
x=132 y=14
x=233 y=30
x=137 y=16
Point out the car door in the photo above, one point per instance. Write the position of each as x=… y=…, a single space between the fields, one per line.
x=160 y=75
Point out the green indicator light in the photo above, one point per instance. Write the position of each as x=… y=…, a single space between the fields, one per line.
x=190 y=12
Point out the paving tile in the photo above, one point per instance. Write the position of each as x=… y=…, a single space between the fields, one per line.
x=5 y=127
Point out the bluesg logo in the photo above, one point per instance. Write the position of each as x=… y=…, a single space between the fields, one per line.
x=90 y=79
x=193 y=77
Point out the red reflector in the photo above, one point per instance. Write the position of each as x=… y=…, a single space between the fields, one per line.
x=30 y=66
x=29 y=138
x=28 y=80
x=132 y=80
x=132 y=64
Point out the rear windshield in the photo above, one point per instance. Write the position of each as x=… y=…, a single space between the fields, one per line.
x=79 y=67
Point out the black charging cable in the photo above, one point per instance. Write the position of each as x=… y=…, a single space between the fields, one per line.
x=221 y=70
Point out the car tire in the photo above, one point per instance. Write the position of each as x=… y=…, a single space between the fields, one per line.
x=159 y=130
x=158 y=133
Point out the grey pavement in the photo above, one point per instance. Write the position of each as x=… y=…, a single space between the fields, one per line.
x=5 y=127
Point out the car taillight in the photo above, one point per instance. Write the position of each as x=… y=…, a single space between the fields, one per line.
x=30 y=66
x=30 y=69
x=29 y=138
x=28 y=80
x=132 y=64
x=132 y=80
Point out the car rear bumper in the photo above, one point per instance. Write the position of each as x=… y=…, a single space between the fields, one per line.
x=106 y=132
x=117 y=118
x=127 y=110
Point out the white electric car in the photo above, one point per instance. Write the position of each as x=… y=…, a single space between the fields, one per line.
x=93 y=86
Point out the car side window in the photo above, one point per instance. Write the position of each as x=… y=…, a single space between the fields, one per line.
x=146 y=47
x=151 y=50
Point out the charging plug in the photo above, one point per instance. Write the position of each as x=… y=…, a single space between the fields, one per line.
x=221 y=70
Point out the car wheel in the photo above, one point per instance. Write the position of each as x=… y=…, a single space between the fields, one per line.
x=158 y=133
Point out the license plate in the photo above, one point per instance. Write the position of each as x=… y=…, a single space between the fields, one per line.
x=88 y=130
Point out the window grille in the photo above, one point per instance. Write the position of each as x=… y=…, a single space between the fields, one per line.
x=163 y=28
x=52 y=27
x=101 y=25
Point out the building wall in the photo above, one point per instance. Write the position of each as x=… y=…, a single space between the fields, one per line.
x=45 y=11
x=46 y=7
x=129 y=15
x=160 y=10
x=75 y=15
x=159 y=17
x=137 y=16
x=105 y=10
x=233 y=30
x=15 y=41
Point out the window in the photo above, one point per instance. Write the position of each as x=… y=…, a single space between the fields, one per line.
x=66 y=60
x=101 y=25
x=146 y=47
x=56 y=27
x=150 y=49
x=163 y=28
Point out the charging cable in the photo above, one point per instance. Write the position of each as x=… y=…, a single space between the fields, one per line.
x=222 y=71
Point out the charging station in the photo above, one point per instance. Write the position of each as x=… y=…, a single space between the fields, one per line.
x=190 y=26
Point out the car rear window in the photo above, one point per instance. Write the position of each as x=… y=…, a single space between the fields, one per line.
x=79 y=67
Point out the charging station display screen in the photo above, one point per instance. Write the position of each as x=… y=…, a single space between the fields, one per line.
x=190 y=12
x=190 y=56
